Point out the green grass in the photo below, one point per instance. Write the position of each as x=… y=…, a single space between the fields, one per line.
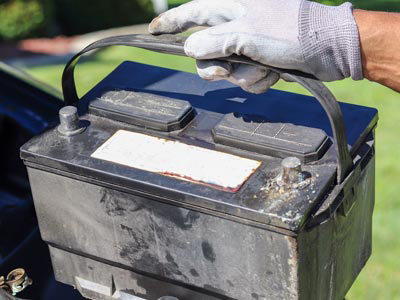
x=381 y=277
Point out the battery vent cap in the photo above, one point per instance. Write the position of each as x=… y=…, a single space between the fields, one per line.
x=143 y=109
x=255 y=134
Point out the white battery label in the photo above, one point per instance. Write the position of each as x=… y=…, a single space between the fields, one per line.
x=177 y=159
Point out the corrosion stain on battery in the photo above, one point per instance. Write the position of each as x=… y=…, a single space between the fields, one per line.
x=175 y=159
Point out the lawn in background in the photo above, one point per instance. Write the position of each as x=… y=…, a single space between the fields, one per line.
x=381 y=277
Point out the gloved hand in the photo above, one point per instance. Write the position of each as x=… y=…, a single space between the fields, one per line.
x=289 y=34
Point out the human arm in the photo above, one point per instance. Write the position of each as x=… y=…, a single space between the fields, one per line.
x=292 y=34
x=380 y=45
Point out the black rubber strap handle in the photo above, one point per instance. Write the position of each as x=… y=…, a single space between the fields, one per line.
x=173 y=44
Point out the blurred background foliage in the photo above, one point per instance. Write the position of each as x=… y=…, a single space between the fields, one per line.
x=45 y=18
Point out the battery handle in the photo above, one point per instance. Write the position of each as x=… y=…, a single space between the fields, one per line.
x=174 y=44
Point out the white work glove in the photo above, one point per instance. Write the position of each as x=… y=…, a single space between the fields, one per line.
x=289 y=34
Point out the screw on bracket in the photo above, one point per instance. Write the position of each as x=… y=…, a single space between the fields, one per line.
x=16 y=281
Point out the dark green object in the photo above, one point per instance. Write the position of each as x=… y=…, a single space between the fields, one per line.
x=25 y=18
x=379 y=5
x=21 y=19
x=77 y=17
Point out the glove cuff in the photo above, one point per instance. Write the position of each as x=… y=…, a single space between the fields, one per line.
x=330 y=41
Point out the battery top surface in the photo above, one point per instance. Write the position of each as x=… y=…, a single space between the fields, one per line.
x=209 y=146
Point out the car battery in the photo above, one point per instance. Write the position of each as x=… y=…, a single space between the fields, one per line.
x=170 y=187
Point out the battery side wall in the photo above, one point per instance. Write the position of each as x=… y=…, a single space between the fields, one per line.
x=171 y=243
x=332 y=254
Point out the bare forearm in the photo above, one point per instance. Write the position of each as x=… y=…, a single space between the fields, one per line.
x=380 y=46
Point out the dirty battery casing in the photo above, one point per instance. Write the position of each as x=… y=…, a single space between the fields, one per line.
x=120 y=232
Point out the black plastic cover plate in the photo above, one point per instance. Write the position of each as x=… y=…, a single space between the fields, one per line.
x=253 y=133
x=143 y=109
